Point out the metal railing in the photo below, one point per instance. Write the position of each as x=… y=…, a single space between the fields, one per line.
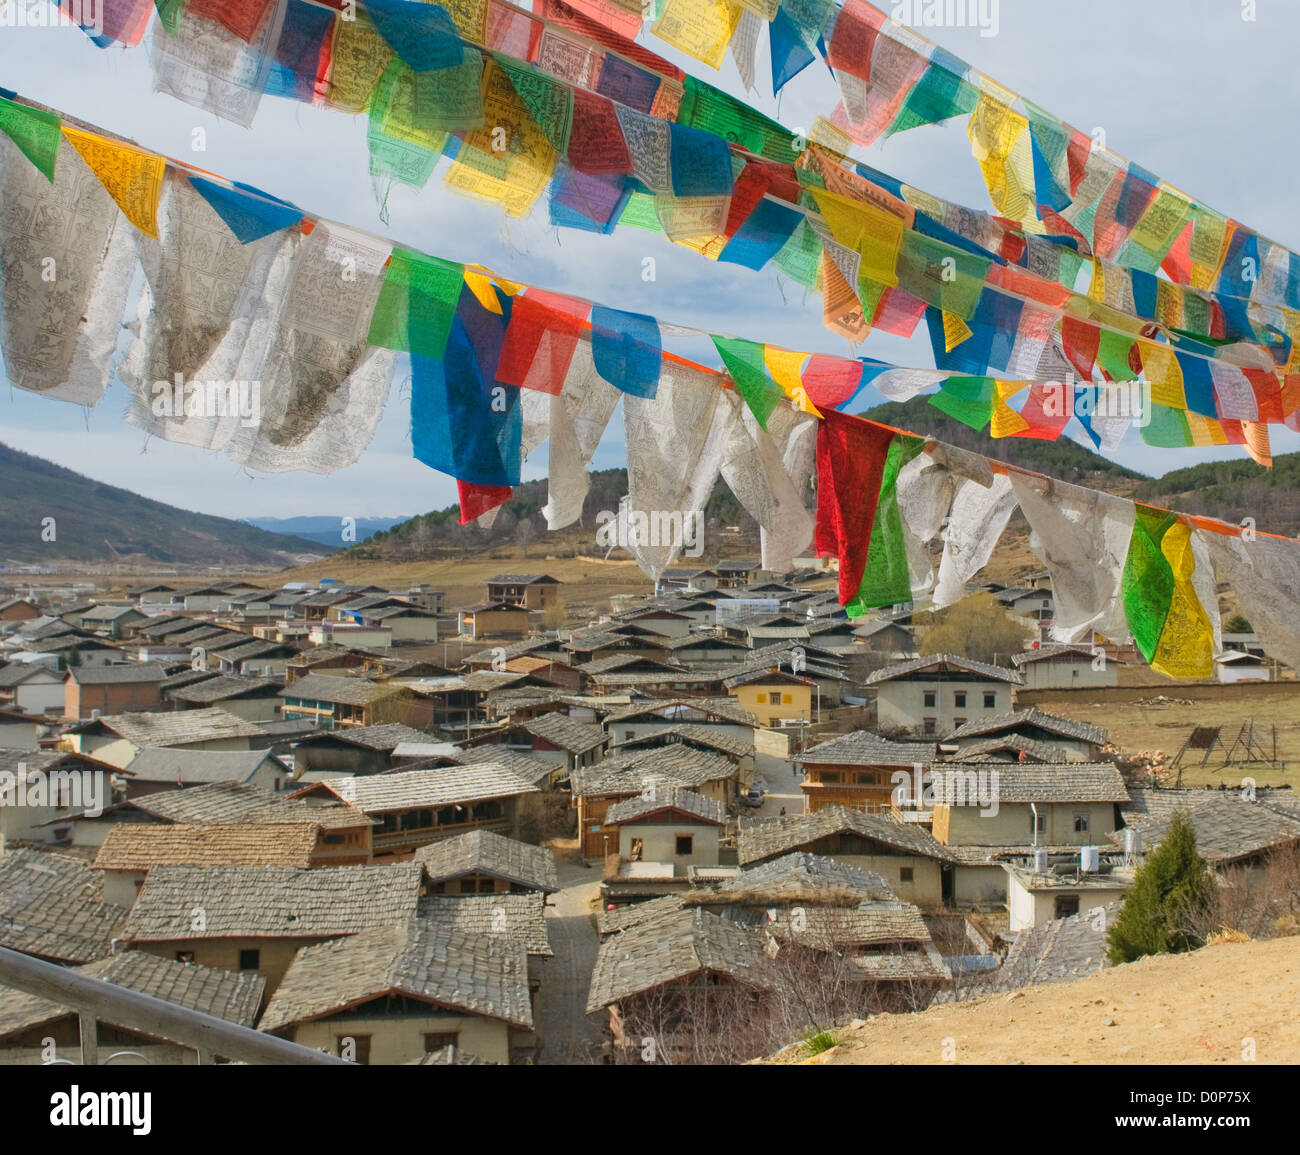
x=94 y=999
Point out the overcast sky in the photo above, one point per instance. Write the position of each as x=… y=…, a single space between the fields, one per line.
x=1186 y=88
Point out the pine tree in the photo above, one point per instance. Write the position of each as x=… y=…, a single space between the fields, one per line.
x=1171 y=883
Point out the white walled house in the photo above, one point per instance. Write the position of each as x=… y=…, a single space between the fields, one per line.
x=1066 y=668
x=940 y=693
x=32 y=688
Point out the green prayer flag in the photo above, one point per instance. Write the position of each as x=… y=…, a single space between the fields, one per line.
x=416 y=304
x=34 y=131
x=886 y=579
x=745 y=362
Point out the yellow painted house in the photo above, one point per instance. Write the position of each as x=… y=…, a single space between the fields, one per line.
x=771 y=695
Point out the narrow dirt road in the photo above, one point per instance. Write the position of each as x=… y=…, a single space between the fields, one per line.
x=568 y=1036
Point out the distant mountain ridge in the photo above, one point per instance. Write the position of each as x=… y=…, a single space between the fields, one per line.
x=96 y=522
x=327 y=531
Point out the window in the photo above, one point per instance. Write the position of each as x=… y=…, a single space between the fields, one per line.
x=959 y=722
x=185 y=956
x=928 y=725
x=437 y=1042
x=774 y=699
x=487 y=885
x=1037 y=823
x=959 y=699
x=249 y=960
x=1081 y=819
x=354 y=1047
x=990 y=701
x=930 y=698
x=1066 y=905
x=829 y=776
x=905 y=874
x=685 y=844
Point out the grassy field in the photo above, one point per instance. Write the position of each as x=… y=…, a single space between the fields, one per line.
x=1143 y=723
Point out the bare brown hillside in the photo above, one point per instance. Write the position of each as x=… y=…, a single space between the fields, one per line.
x=1203 y=1007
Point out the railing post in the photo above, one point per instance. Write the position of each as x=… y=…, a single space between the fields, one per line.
x=89 y=1038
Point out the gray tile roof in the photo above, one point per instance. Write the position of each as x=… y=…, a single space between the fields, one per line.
x=135 y=846
x=271 y=901
x=863 y=748
x=228 y=995
x=179 y=727
x=441 y=786
x=677 y=765
x=1058 y=951
x=384 y=737
x=223 y=688
x=518 y=918
x=665 y=950
x=1040 y=782
x=684 y=709
x=178 y=766
x=483 y=852
x=566 y=733
x=948 y=663
x=1227 y=826
x=413 y=957
x=1007 y=748
x=222 y=802
x=344 y=690
x=691 y=734
x=669 y=798
x=803 y=877
x=1035 y=718
x=610 y=921
x=761 y=838
x=53 y=906
x=525 y=766
x=117 y=675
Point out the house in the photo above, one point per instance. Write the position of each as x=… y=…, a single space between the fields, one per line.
x=598 y=788
x=330 y=701
x=1237 y=666
x=256 y=699
x=531 y=591
x=912 y=863
x=52 y=907
x=132 y=850
x=663 y=834
x=30 y=1025
x=480 y=862
x=1059 y=667
x=253 y=658
x=683 y=579
x=857 y=770
x=771 y=695
x=568 y=743
x=158 y=768
x=1232 y=828
x=687 y=971
x=1058 y=951
x=394 y=993
x=255 y=919
x=112 y=689
x=940 y=693
x=403 y=622
x=492 y=620
x=1031 y=605
x=353 y=749
x=989 y=813
x=371 y=637
x=416 y=807
x=32 y=688
x=517 y=918
x=888 y=638
x=722 y=714
x=40 y=787
x=708 y=739
x=737 y=575
x=20 y=731
x=118 y=738
x=1037 y=897
x=1064 y=738
x=113 y=621
x=18 y=610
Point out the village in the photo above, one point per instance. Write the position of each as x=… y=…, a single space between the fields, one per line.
x=717 y=819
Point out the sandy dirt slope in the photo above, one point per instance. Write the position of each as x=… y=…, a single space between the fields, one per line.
x=1201 y=1007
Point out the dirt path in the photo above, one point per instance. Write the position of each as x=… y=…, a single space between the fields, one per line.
x=567 y=1034
x=1204 y=1007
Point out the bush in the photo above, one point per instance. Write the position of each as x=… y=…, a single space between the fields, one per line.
x=1169 y=888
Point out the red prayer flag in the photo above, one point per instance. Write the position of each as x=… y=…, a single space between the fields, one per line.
x=540 y=339
x=854 y=39
x=476 y=500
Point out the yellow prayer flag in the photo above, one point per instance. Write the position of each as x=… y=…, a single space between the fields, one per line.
x=1163 y=374
x=785 y=367
x=876 y=235
x=1002 y=145
x=131 y=176
x=1006 y=422
x=1205 y=430
x=700 y=28
x=955 y=331
x=1186 y=646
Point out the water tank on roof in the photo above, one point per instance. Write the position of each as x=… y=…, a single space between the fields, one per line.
x=1089 y=859
x=1132 y=842
x=1040 y=861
